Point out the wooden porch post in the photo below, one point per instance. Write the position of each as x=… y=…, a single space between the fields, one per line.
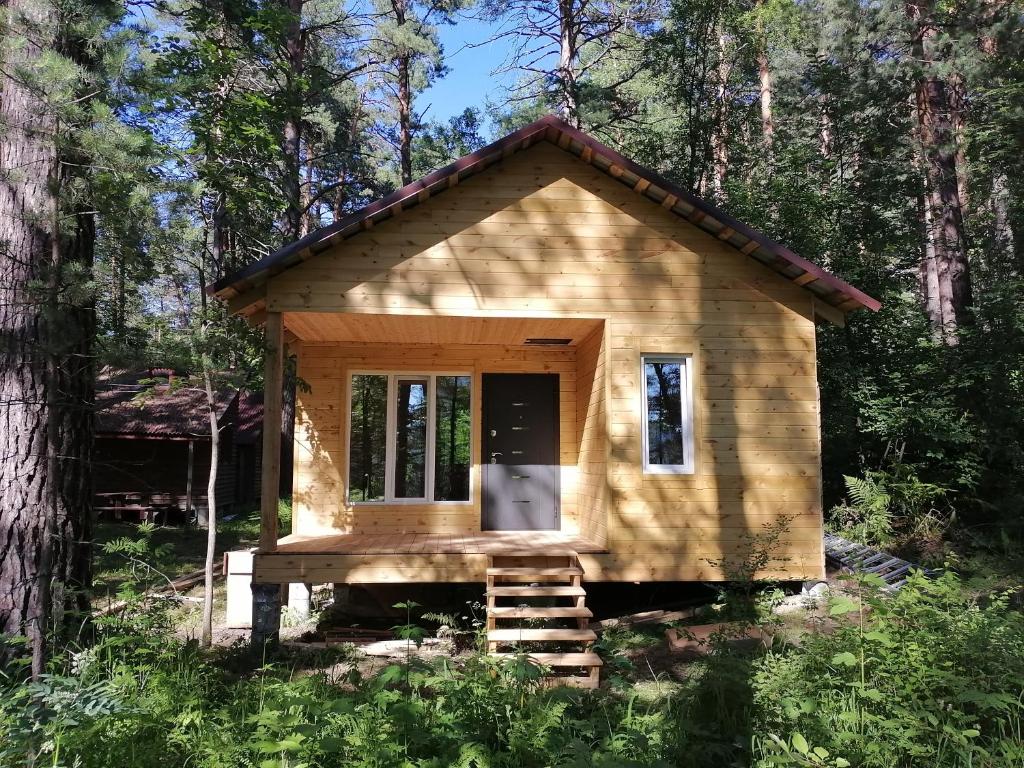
x=272 y=383
x=266 y=598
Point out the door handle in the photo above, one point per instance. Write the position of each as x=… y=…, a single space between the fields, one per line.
x=495 y=455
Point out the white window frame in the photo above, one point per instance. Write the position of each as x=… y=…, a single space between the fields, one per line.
x=391 y=435
x=686 y=394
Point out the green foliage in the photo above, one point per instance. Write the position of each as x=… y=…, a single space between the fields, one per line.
x=893 y=507
x=924 y=676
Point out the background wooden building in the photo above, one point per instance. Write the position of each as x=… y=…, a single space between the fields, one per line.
x=152 y=455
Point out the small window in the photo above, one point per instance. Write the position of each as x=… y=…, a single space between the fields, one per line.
x=668 y=415
x=409 y=438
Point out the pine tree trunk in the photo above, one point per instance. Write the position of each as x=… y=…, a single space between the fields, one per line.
x=939 y=151
x=720 y=132
x=295 y=55
x=46 y=359
x=567 y=53
x=764 y=74
x=403 y=62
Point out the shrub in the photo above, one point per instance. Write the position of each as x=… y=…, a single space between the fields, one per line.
x=925 y=676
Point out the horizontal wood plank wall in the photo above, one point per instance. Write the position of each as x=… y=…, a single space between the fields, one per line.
x=544 y=235
x=321 y=427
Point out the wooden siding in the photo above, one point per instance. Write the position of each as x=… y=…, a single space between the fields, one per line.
x=591 y=426
x=544 y=236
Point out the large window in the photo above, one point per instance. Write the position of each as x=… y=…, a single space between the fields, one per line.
x=668 y=414
x=409 y=438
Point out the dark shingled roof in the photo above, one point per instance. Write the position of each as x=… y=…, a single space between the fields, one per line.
x=244 y=290
x=164 y=412
x=249 y=423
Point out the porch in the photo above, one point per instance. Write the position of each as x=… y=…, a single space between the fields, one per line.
x=398 y=472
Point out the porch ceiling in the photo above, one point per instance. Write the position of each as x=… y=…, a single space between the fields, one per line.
x=428 y=329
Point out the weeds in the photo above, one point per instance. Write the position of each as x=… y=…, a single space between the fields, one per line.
x=925 y=677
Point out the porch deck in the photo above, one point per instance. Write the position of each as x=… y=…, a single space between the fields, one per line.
x=478 y=543
x=413 y=557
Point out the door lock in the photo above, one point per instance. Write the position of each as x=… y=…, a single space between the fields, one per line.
x=494 y=457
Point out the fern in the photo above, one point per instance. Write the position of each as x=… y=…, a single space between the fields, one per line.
x=867 y=494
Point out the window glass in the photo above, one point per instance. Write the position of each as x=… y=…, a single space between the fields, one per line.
x=368 y=440
x=452 y=432
x=411 y=440
x=665 y=439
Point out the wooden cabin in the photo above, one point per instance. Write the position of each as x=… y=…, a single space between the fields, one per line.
x=152 y=449
x=543 y=350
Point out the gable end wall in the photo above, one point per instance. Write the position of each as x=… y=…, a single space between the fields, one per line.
x=544 y=235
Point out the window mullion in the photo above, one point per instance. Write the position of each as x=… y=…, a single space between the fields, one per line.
x=430 y=447
x=391 y=442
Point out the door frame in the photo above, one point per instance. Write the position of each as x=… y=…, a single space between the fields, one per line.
x=484 y=458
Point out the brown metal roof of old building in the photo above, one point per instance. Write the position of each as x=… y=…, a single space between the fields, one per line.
x=127 y=407
x=244 y=289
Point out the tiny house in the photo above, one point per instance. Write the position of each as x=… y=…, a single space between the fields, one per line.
x=542 y=351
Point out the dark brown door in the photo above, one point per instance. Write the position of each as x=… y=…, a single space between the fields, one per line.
x=520 y=452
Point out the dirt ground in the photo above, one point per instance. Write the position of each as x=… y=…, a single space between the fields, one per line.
x=653 y=663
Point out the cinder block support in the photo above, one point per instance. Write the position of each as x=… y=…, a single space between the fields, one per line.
x=300 y=596
x=239 y=592
x=266 y=615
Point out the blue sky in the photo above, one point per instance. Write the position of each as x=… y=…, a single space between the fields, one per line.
x=469 y=82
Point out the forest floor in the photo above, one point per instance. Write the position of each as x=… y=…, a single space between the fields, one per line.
x=640 y=653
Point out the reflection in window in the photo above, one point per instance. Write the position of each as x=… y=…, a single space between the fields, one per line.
x=368 y=420
x=411 y=440
x=451 y=453
x=666 y=441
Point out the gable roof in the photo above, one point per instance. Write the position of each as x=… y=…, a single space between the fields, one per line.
x=244 y=290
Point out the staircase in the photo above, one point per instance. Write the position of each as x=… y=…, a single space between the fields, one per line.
x=537 y=604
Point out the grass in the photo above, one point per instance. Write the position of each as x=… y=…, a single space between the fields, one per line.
x=178 y=549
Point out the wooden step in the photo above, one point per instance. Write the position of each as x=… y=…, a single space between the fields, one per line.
x=572 y=681
x=536 y=592
x=548 y=552
x=527 y=572
x=540 y=612
x=556 y=660
x=538 y=635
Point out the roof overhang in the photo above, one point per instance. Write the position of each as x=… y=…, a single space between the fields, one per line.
x=245 y=290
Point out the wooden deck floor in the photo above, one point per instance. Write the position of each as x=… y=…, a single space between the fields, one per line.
x=482 y=543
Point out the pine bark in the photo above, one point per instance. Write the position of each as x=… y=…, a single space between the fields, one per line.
x=720 y=132
x=295 y=55
x=569 y=107
x=765 y=78
x=403 y=64
x=46 y=368
x=944 y=213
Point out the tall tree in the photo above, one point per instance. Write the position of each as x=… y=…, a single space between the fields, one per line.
x=55 y=73
x=946 y=282
x=410 y=57
x=556 y=45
